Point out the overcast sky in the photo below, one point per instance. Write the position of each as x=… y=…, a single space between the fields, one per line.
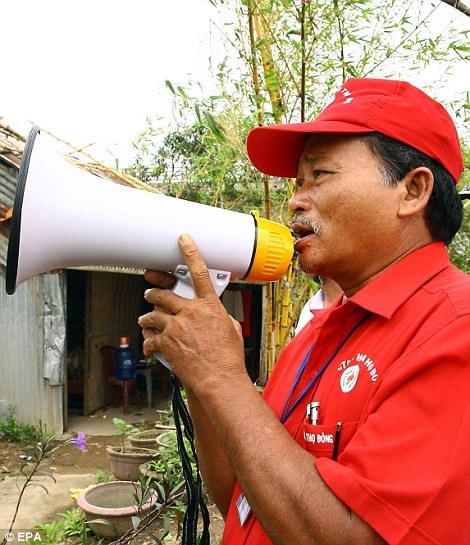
x=94 y=70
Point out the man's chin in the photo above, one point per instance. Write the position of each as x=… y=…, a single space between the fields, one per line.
x=307 y=268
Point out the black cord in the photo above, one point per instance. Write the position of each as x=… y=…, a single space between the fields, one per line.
x=193 y=484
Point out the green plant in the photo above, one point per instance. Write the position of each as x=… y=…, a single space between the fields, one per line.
x=167 y=465
x=165 y=418
x=155 y=522
x=459 y=248
x=35 y=464
x=459 y=251
x=144 y=492
x=14 y=431
x=68 y=525
x=124 y=430
x=169 y=504
x=283 y=63
x=102 y=476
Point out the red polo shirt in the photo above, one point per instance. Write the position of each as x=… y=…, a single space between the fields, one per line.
x=397 y=375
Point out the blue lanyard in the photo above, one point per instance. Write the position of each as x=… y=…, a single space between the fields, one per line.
x=286 y=411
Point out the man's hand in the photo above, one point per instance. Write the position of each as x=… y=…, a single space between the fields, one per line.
x=197 y=337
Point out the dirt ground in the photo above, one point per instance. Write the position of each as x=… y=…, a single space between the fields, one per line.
x=68 y=460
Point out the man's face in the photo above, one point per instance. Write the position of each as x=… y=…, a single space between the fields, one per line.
x=339 y=190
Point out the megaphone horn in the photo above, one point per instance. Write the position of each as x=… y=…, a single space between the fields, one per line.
x=64 y=216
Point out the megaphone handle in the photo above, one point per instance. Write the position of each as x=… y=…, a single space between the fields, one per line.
x=184 y=288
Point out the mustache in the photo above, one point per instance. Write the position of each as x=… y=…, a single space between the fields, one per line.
x=303 y=219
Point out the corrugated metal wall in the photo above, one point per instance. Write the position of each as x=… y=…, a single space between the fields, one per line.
x=7 y=196
x=22 y=384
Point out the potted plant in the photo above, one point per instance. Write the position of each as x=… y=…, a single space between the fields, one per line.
x=148 y=438
x=167 y=468
x=125 y=459
x=144 y=439
x=166 y=439
x=165 y=421
x=115 y=507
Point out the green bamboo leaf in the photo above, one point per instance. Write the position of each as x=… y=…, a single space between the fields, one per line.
x=170 y=86
x=182 y=92
x=214 y=126
x=198 y=113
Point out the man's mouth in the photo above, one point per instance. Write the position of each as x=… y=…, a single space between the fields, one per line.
x=301 y=227
x=300 y=231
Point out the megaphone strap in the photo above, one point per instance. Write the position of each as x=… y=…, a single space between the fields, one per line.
x=195 y=499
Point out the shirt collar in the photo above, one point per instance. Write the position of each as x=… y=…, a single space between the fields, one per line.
x=392 y=287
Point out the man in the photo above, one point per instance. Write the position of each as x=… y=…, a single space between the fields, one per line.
x=386 y=459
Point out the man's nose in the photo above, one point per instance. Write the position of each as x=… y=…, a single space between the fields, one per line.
x=298 y=202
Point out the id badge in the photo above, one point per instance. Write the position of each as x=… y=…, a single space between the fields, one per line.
x=243 y=509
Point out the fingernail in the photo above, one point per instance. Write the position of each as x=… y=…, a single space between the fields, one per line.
x=146 y=293
x=185 y=238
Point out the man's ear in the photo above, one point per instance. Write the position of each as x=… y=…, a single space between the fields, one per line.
x=417 y=189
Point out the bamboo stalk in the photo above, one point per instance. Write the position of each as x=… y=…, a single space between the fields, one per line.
x=270 y=75
x=303 y=298
x=284 y=310
x=278 y=308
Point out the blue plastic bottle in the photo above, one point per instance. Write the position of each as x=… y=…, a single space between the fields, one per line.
x=125 y=361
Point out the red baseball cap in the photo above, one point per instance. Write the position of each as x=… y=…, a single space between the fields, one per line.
x=394 y=108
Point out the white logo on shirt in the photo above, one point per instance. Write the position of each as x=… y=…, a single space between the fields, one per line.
x=349 y=378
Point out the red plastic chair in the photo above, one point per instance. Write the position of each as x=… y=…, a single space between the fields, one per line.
x=107 y=358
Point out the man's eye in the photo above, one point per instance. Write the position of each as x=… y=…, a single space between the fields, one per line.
x=317 y=173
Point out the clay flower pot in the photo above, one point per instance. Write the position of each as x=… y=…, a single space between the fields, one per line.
x=112 y=506
x=165 y=439
x=125 y=465
x=147 y=438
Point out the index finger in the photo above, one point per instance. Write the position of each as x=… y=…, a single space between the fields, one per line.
x=159 y=278
x=202 y=283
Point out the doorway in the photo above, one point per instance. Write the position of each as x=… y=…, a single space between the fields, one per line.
x=104 y=306
x=101 y=308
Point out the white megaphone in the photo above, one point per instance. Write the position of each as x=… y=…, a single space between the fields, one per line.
x=65 y=217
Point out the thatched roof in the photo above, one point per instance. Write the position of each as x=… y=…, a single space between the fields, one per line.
x=11 y=150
